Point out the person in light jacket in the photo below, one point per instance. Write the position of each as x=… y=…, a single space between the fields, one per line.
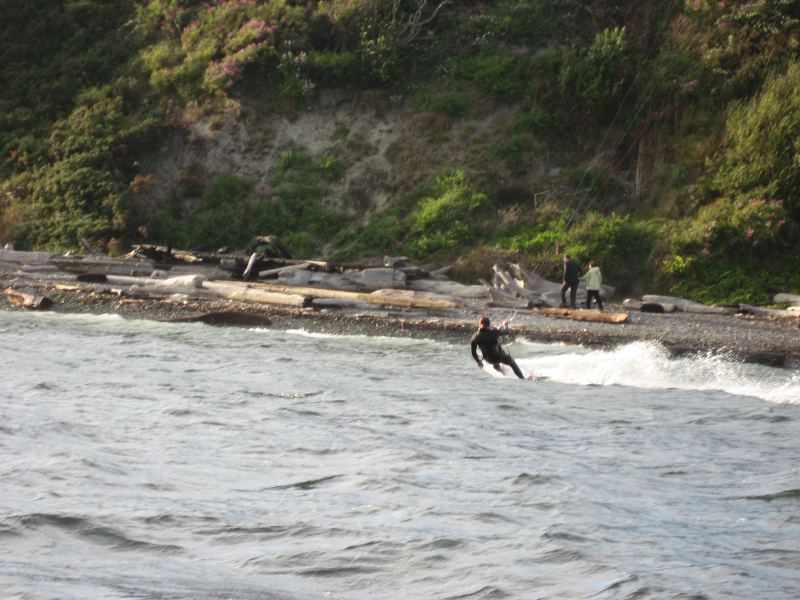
x=594 y=281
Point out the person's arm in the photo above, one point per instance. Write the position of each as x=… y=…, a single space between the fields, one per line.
x=474 y=348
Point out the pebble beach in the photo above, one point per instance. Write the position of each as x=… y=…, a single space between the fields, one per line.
x=775 y=342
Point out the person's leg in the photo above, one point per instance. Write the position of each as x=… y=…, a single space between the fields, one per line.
x=599 y=299
x=589 y=296
x=507 y=360
x=573 y=293
x=564 y=287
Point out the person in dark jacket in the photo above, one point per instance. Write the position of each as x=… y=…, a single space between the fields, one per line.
x=572 y=274
x=488 y=340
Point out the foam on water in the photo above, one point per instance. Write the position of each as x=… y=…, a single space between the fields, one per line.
x=649 y=365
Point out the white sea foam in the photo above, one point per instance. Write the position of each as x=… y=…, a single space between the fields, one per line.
x=649 y=365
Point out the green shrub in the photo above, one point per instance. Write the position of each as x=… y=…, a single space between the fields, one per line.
x=532 y=240
x=514 y=150
x=452 y=103
x=753 y=227
x=497 y=73
x=742 y=281
x=333 y=68
x=537 y=120
x=742 y=42
x=762 y=157
x=227 y=214
x=449 y=214
x=732 y=252
x=449 y=217
x=213 y=45
x=222 y=217
x=301 y=244
x=621 y=245
x=384 y=234
x=80 y=192
x=593 y=78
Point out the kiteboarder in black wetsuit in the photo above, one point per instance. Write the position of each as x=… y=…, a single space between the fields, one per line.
x=488 y=340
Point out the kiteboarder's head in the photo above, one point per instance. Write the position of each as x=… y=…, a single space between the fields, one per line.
x=484 y=322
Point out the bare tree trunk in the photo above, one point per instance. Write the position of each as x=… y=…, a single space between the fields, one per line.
x=415 y=23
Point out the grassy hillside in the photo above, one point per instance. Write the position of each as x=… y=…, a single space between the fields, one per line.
x=658 y=138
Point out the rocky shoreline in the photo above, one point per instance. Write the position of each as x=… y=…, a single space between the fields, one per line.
x=774 y=342
x=78 y=285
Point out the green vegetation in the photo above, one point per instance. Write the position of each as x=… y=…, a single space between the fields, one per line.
x=431 y=222
x=660 y=139
x=228 y=214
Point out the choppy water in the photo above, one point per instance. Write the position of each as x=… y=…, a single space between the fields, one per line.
x=148 y=460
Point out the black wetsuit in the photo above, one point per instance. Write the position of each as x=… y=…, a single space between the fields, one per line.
x=488 y=340
x=572 y=274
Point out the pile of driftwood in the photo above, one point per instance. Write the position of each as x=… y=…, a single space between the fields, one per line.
x=159 y=273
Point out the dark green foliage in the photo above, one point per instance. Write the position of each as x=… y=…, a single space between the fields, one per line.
x=734 y=251
x=496 y=73
x=513 y=151
x=227 y=214
x=537 y=120
x=743 y=281
x=433 y=220
x=333 y=68
x=81 y=191
x=450 y=216
x=453 y=103
x=762 y=157
x=50 y=53
x=593 y=79
x=742 y=42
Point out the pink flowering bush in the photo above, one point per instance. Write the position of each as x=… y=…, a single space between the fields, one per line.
x=215 y=43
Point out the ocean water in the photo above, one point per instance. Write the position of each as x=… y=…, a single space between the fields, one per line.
x=150 y=460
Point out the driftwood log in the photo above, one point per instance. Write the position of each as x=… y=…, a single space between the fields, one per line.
x=447 y=288
x=400 y=298
x=352 y=280
x=649 y=307
x=689 y=306
x=769 y=312
x=29 y=301
x=248 y=293
x=226 y=318
x=787 y=299
x=595 y=316
x=499 y=299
